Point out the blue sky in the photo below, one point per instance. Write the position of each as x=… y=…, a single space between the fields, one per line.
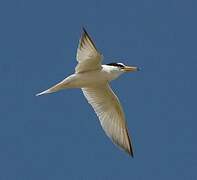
x=58 y=136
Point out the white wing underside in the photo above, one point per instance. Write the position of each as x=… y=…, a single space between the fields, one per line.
x=109 y=111
x=87 y=55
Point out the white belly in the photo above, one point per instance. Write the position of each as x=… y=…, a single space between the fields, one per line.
x=91 y=78
x=86 y=79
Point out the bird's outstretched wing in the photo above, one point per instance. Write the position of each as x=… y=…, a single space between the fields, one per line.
x=109 y=111
x=87 y=55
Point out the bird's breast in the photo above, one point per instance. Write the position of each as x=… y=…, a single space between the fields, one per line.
x=90 y=78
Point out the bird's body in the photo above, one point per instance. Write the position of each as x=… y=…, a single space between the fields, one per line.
x=93 y=78
x=86 y=79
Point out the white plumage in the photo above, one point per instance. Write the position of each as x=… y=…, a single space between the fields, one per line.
x=93 y=78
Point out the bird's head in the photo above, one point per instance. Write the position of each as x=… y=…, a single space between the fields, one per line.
x=123 y=68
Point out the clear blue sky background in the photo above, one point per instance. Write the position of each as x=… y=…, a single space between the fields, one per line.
x=58 y=136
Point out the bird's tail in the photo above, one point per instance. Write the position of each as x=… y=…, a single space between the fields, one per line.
x=44 y=92
x=54 y=88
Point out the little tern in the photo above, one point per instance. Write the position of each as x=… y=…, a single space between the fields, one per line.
x=93 y=78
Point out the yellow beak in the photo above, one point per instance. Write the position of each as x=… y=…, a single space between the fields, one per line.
x=130 y=68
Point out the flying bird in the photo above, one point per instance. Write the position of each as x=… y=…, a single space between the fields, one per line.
x=93 y=78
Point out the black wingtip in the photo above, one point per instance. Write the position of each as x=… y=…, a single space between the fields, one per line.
x=85 y=34
x=84 y=30
x=130 y=151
